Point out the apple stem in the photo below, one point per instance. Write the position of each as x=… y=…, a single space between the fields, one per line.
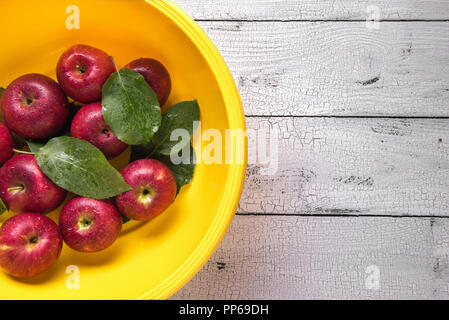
x=154 y=150
x=116 y=69
x=151 y=153
x=23 y=152
x=113 y=61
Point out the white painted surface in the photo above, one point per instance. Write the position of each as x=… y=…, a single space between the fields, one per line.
x=353 y=189
x=337 y=68
x=313 y=9
x=310 y=258
x=367 y=166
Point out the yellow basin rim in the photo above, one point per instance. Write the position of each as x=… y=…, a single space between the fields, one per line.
x=231 y=197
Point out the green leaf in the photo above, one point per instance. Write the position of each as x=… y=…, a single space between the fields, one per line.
x=179 y=116
x=130 y=107
x=183 y=171
x=3 y=207
x=79 y=167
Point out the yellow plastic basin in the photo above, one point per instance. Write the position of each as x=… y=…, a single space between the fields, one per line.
x=153 y=259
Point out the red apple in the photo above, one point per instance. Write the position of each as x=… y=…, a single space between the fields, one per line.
x=6 y=144
x=82 y=70
x=25 y=188
x=30 y=243
x=34 y=107
x=89 y=225
x=88 y=124
x=154 y=189
x=155 y=74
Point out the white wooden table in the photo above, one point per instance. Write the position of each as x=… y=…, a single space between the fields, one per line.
x=359 y=206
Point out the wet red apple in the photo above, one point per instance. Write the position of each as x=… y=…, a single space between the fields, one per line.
x=82 y=70
x=88 y=124
x=155 y=74
x=25 y=188
x=90 y=225
x=30 y=243
x=6 y=144
x=34 y=107
x=154 y=189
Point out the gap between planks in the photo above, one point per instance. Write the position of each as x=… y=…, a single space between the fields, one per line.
x=337 y=215
x=349 y=117
x=318 y=20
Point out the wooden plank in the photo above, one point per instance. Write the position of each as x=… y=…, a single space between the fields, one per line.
x=334 y=166
x=337 y=68
x=328 y=258
x=314 y=10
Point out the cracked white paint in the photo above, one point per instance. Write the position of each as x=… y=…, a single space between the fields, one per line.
x=353 y=166
x=329 y=68
x=305 y=257
x=336 y=166
x=312 y=9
